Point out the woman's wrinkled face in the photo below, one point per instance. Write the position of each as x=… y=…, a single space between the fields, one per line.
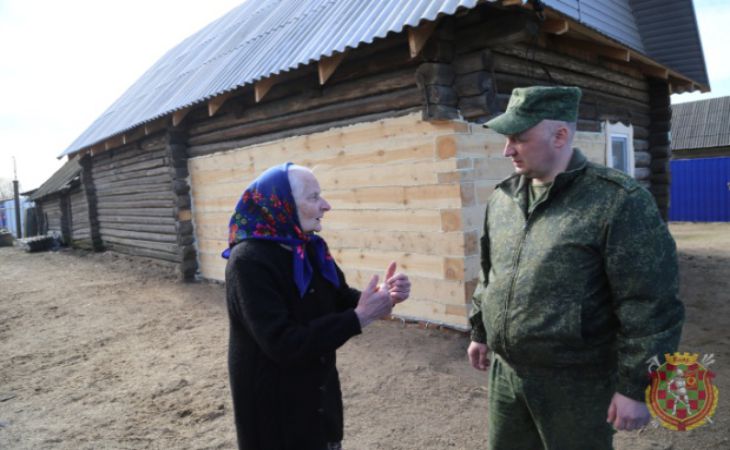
x=311 y=206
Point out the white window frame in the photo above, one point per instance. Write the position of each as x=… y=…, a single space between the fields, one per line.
x=619 y=131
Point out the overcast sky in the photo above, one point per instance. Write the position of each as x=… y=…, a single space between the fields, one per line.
x=62 y=63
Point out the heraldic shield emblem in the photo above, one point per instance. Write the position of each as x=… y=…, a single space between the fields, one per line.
x=681 y=395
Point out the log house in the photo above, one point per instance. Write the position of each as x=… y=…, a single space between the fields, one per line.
x=390 y=121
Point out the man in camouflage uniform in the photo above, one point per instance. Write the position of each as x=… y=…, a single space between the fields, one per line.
x=578 y=287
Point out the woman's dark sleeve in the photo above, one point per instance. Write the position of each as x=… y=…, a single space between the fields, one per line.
x=347 y=296
x=263 y=309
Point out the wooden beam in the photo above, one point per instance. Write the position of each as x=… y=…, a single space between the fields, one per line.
x=500 y=29
x=327 y=66
x=652 y=70
x=155 y=125
x=607 y=51
x=179 y=115
x=592 y=41
x=216 y=102
x=417 y=37
x=555 y=26
x=511 y=2
x=262 y=87
x=680 y=87
x=647 y=67
x=114 y=141
x=133 y=135
x=617 y=53
x=657 y=72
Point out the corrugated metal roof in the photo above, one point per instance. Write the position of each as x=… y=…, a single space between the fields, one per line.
x=263 y=38
x=701 y=125
x=60 y=180
x=253 y=41
x=671 y=36
x=614 y=18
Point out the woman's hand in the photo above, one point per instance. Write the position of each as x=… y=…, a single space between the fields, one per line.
x=397 y=284
x=374 y=303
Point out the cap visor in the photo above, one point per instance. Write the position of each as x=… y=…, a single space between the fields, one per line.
x=510 y=123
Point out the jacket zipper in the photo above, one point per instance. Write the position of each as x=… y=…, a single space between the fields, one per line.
x=508 y=301
x=515 y=270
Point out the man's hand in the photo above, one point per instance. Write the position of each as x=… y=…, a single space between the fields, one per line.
x=397 y=284
x=374 y=303
x=626 y=413
x=478 y=355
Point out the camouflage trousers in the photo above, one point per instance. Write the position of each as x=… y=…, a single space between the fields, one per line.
x=547 y=412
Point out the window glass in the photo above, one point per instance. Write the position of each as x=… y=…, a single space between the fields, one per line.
x=619 y=150
x=620 y=146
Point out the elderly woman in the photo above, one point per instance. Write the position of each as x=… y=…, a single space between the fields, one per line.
x=290 y=308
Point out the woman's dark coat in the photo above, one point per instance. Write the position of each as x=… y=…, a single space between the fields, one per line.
x=286 y=391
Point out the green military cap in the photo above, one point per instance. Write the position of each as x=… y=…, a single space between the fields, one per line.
x=528 y=106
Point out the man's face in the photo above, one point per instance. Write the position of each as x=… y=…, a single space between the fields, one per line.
x=532 y=152
x=311 y=206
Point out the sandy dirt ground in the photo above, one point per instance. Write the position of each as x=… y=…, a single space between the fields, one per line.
x=100 y=351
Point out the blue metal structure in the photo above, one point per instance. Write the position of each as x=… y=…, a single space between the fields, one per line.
x=700 y=190
x=7 y=214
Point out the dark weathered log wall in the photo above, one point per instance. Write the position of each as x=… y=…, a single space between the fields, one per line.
x=87 y=183
x=611 y=92
x=66 y=217
x=176 y=152
x=135 y=202
x=659 y=143
x=371 y=82
x=52 y=215
x=79 y=220
x=606 y=95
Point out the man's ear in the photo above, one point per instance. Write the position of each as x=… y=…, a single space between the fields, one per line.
x=561 y=136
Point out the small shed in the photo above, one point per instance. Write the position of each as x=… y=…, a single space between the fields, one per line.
x=701 y=161
x=61 y=206
x=386 y=103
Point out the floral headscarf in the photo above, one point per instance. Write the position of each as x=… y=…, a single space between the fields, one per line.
x=267 y=211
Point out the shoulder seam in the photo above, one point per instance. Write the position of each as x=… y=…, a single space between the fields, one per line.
x=624 y=181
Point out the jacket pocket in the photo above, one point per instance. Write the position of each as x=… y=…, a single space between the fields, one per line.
x=544 y=331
